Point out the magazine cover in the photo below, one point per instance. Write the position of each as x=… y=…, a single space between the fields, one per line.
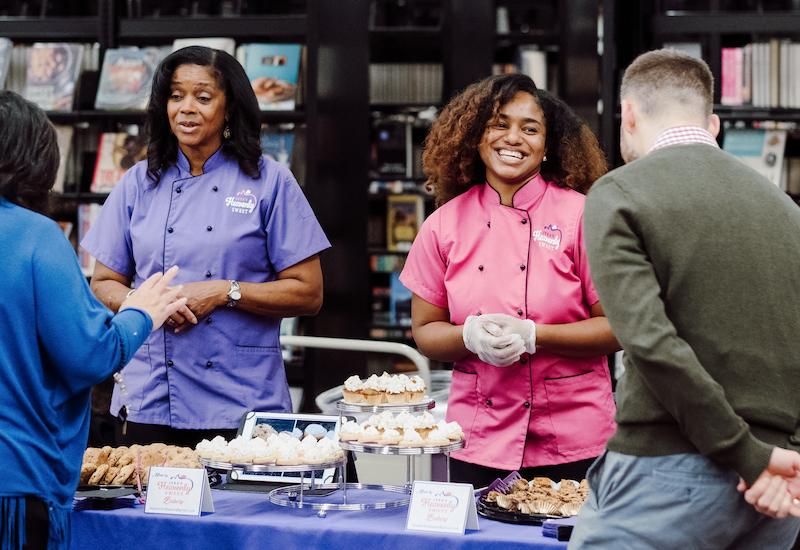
x=117 y=152
x=64 y=137
x=277 y=144
x=52 y=73
x=760 y=149
x=405 y=214
x=6 y=46
x=273 y=71
x=126 y=78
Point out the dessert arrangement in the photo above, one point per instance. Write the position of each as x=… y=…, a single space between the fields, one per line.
x=403 y=429
x=541 y=496
x=268 y=447
x=121 y=465
x=386 y=389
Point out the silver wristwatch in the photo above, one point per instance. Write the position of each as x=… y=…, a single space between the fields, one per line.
x=234 y=294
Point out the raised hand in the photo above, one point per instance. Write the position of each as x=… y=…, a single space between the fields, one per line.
x=156 y=297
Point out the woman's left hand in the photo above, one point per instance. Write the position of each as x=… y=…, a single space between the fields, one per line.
x=202 y=298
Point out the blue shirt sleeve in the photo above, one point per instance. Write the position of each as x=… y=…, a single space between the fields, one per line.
x=293 y=232
x=81 y=340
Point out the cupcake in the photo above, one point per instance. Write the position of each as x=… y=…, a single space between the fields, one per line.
x=436 y=438
x=371 y=434
x=350 y=431
x=352 y=390
x=372 y=391
x=391 y=437
x=411 y=439
x=415 y=389
x=396 y=393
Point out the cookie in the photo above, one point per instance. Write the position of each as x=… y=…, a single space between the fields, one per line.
x=98 y=474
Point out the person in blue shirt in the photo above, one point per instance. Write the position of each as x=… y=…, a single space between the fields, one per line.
x=56 y=339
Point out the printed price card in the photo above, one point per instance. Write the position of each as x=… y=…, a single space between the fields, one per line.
x=442 y=507
x=180 y=491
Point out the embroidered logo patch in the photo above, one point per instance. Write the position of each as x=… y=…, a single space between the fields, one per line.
x=548 y=237
x=244 y=202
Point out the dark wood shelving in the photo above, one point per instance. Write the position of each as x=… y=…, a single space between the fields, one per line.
x=541 y=37
x=82 y=197
x=747 y=112
x=277 y=28
x=54 y=28
x=386 y=251
x=72 y=117
x=773 y=23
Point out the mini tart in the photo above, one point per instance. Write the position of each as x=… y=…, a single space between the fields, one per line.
x=373 y=397
x=397 y=398
x=354 y=397
x=415 y=396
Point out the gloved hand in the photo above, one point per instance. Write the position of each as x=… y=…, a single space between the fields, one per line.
x=525 y=328
x=486 y=340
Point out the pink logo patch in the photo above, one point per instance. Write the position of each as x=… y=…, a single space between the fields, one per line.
x=244 y=202
x=548 y=237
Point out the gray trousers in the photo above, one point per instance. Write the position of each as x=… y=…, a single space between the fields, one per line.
x=681 y=501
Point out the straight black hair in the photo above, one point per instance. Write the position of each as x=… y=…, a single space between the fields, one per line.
x=243 y=114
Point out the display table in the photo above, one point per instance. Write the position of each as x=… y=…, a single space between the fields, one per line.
x=248 y=521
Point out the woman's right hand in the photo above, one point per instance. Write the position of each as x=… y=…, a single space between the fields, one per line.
x=156 y=297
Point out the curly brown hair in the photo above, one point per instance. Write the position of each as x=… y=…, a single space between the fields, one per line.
x=451 y=160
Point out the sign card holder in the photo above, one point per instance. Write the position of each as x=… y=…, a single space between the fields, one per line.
x=179 y=491
x=442 y=507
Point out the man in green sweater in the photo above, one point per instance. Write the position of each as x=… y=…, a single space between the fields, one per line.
x=696 y=258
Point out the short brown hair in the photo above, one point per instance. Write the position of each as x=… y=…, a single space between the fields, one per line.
x=662 y=77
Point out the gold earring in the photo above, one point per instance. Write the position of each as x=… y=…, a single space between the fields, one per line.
x=226 y=133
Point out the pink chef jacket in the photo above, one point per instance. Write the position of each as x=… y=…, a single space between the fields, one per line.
x=474 y=255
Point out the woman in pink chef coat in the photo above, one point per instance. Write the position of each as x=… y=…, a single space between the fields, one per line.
x=502 y=287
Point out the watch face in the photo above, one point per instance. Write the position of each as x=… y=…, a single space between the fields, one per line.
x=235 y=294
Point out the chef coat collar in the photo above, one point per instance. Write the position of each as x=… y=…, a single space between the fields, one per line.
x=212 y=162
x=524 y=198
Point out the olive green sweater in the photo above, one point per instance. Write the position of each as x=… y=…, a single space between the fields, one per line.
x=696 y=259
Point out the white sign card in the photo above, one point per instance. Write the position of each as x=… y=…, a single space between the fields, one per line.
x=442 y=507
x=180 y=491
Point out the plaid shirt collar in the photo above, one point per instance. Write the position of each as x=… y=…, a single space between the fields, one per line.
x=683 y=135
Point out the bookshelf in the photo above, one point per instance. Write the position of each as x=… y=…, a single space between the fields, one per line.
x=630 y=29
x=337 y=112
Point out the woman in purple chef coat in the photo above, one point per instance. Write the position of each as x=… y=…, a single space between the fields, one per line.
x=247 y=242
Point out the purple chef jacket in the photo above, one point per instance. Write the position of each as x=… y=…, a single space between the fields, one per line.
x=220 y=225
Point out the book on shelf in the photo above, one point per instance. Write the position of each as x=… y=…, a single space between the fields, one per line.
x=404 y=216
x=87 y=214
x=793 y=175
x=273 y=70
x=116 y=152
x=398 y=83
x=693 y=49
x=762 y=74
x=399 y=301
x=52 y=75
x=126 y=77
x=217 y=43
x=762 y=150
x=387 y=263
x=64 y=139
x=533 y=62
x=6 y=47
x=277 y=143
x=380 y=305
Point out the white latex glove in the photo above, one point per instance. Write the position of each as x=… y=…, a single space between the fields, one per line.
x=486 y=340
x=525 y=328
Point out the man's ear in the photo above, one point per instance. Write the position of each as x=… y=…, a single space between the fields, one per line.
x=713 y=125
x=628 y=123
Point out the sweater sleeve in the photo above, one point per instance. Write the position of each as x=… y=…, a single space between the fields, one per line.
x=664 y=361
x=80 y=339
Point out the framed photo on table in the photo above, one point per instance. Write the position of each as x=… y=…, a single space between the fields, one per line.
x=255 y=424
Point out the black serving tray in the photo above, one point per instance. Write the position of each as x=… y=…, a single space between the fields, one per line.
x=492 y=511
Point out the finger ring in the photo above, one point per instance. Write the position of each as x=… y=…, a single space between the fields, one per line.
x=170 y=322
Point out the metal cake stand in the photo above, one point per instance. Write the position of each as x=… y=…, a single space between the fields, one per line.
x=424 y=405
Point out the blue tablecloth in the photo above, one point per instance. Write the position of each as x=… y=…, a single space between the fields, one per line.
x=245 y=521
